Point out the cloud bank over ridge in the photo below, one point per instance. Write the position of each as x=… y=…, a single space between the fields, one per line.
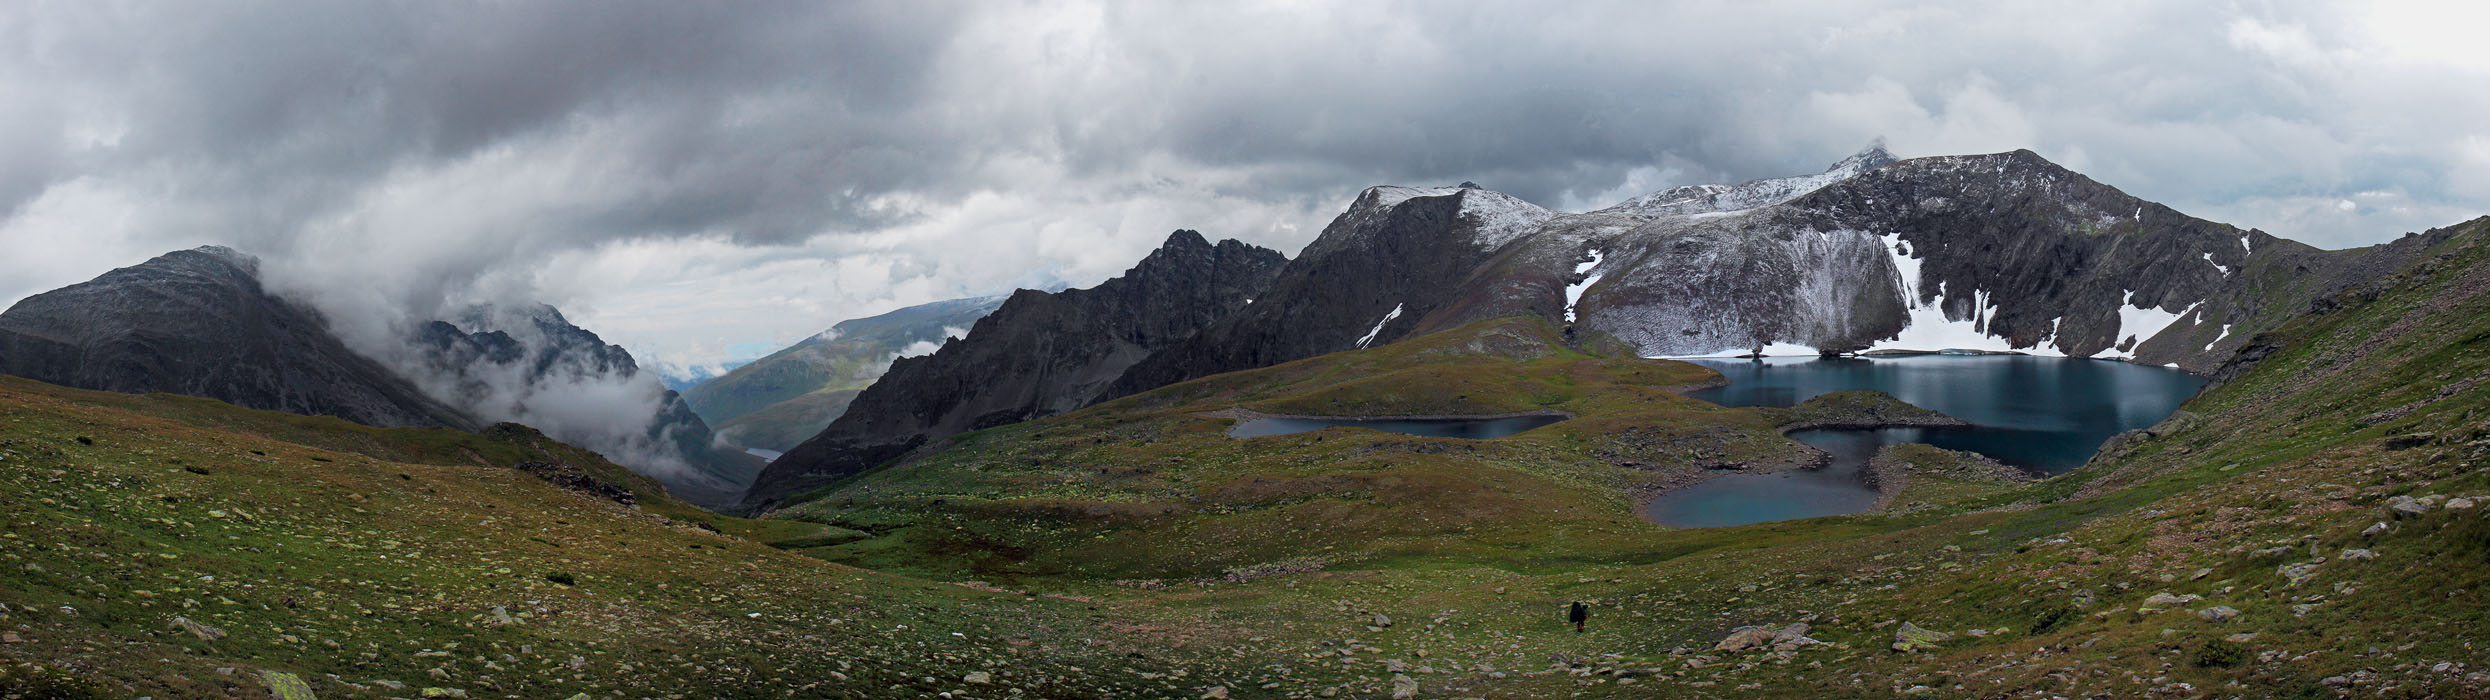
x=682 y=180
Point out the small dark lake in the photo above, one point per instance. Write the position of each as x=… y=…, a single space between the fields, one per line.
x=2045 y=415
x=1469 y=428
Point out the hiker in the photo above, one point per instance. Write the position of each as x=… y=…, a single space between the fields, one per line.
x=1577 y=615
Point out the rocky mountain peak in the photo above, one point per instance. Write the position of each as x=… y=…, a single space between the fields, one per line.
x=1869 y=158
x=1037 y=355
x=198 y=322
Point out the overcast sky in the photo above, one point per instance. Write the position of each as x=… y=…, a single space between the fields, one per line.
x=687 y=181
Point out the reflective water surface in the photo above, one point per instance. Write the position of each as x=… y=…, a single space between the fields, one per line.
x=2047 y=415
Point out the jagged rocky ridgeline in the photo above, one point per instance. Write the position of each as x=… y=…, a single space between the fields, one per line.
x=201 y=323
x=2004 y=252
x=1037 y=355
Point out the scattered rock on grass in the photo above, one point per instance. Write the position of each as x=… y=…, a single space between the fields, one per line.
x=2295 y=573
x=2165 y=600
x=1912 y=638
x=206 y=632
x=2403 y=507
x=287 y=686
x=1760 y=637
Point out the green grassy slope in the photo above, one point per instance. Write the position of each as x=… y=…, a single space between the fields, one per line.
x=846 y=358
x=325 y=556
x=781 y=426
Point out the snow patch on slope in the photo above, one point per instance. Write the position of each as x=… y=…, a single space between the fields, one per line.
x=2226 y=269
x=2139 y=324
x=1573 y=292
x=1387 y=318
x=1928 y=327
x=2217 y=340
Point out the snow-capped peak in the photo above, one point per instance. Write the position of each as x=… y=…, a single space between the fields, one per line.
x=1866 y=159
x=1500 y=218
x=1389 y=196
x=1703 y=199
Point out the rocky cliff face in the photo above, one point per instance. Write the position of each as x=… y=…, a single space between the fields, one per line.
x=2001 y=252
x=1039 y=354
x=197 y=322
x=1374 y=273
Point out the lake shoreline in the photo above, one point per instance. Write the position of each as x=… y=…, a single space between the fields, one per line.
x=1984 y=418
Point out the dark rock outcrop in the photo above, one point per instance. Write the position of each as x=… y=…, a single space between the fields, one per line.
x=1393 y=258
x=577 y=480
x=197 y=322
x=1037 y=355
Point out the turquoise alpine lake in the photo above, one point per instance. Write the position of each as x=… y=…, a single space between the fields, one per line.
x=2045 y=415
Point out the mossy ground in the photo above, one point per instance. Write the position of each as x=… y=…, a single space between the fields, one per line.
x=1187 y=560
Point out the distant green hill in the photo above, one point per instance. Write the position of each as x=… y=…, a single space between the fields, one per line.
x=778 y=401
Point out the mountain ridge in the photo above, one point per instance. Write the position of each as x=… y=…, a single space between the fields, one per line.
x=199 y=322
x=1037 y=354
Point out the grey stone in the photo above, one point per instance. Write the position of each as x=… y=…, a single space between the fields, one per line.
x=2403 y=507
x=2165 y=600
x=1911 y=638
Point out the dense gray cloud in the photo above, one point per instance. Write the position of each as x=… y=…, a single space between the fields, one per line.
x=683 y=178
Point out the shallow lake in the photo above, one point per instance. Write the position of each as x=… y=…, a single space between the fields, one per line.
x=2046 y=415
x=1469 y=428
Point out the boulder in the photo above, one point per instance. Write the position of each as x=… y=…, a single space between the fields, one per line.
x=1746 y=638
x=206 y=632
x=2218 y=613
x=287 y=686
x=2402 y=507
x=2166 y=600
x=2295 y=573
x=2406 y=442
x=1911 y=638
x=1403 y=687
x=2359 y=555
